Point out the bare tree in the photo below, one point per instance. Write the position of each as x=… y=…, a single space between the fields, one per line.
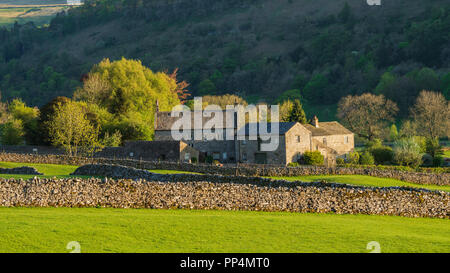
x=94 y=89
x=367 y=115
x=431 y=114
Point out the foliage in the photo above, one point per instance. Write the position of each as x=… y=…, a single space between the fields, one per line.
x=12 y=133
x=223 y=100
x=340 y=161
x=130 y=91
x=71 y=129
x=313 y=158
x=294 y=164
x=382 y=154
x=297 y=114
x=353 y=158
x=431 y=113
x=366 y=158
x=407 y=153
x=46 y=114
x=112 y=140
x=367 y=114
x=340 y=51
x=393 y=132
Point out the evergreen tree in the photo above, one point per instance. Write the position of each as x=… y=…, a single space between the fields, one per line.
x=297 y=113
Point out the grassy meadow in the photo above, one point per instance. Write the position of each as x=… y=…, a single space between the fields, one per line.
x=37 y=13
x=141 y=230
x=120 y=230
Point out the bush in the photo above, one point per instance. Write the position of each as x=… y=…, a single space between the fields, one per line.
x=209 y=159
x=427 y=160
x=313 y=158
x=367 y=159
x=12 y=133
x=407 y=152
x=293 y=164
x=353 y=158
x=382 y=154
x=340 y=161
x=194 y=160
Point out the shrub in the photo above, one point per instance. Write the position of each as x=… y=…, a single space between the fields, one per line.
x=313 y=158
x=353 y=158
x=340 y=161
x=367 y=159
x=209 y=159
x=294 y=164
x=407 y=152
x=382 y=154
x=427 y=160
x=194 y=160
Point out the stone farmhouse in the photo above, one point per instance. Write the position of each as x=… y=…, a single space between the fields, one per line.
x=330 y=138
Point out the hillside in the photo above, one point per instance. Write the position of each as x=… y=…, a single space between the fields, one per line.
x=258 y=49
x=40 y=12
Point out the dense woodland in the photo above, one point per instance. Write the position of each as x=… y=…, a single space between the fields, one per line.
x=262 y=50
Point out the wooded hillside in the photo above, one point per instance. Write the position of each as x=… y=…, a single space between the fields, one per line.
x=318 y=50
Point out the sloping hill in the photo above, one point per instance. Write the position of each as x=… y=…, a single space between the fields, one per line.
x=256 y=48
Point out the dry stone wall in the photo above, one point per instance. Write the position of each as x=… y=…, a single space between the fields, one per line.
x=20 y=170
x=209 y=194
x=244 y=170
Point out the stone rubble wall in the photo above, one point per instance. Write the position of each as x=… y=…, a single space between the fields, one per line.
x=244 y=170
x=20 y=170
x=239 y=193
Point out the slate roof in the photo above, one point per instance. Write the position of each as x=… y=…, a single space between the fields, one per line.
x=284 y=127
x=165 y=121
x=328 y=129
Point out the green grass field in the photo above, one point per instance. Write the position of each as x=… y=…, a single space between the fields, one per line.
x=64 y=171
x=49 y=170
x=362 y=180
x=120 y=230
x=447 y=153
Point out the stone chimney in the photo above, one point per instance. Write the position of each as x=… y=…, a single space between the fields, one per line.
x=156 y=114
x=315 y=122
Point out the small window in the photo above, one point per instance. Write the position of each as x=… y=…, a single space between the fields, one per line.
x=224 y=156
x=244 y=157
x=325 y=140
x=346 y=139
x=299 y=139
x=187 y=157
x=244 y=142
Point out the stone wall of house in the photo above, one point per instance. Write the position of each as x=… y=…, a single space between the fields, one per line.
x=298 y=141
x=337 y=143
x=249 y=149
x=223 y=193
x=241 y=170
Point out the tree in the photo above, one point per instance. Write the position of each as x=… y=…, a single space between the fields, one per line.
x=393 y=132
x=408 y=129
x=71 y=129
x=297 y=114
x=46 y=113
x=207 y=87
x=431 y=114
x=367 y=115
x=407 y=153
x=12 y=133
x=130 y=91
x=182 y=86
x=285 y=110
x=29 y=119
x=223 y=100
